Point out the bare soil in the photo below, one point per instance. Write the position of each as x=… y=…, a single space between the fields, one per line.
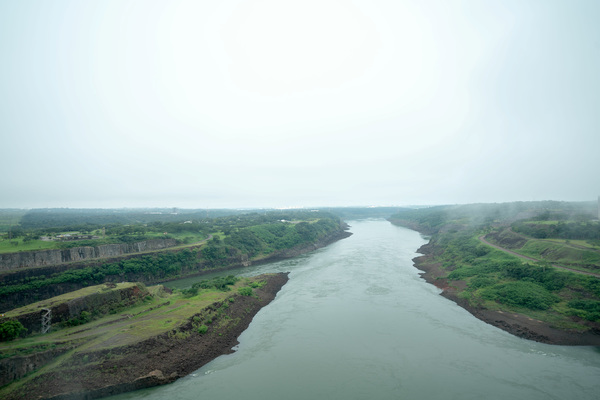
x=155 y=361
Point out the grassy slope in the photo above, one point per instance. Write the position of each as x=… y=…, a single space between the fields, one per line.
x=558 y=315
x=562 y=254
x=7 y=247
x=575 y=254
x=161 y=314
x=64 y=298
x=492 y=279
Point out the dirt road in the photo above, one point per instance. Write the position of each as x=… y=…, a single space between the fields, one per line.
x=481 y=238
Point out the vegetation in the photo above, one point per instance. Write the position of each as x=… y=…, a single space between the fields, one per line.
x=586 y=230
x=495 y=279
x=202 y=329
x=10 y=330
x=236 y=239
x=58 y=227
x=152 y=267
x=174 y=319
x=221 y=283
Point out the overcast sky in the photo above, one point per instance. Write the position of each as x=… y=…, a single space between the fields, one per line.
x=279 y=103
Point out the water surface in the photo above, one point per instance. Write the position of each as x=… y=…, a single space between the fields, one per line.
x=356 y=321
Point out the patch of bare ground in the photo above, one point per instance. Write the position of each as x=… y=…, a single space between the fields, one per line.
x=157 y=360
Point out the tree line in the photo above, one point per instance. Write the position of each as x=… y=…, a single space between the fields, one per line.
x=248 y=237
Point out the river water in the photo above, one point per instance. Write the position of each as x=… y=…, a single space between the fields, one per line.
x=356 y=321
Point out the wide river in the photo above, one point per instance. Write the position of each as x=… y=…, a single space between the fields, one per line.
x=356 y=321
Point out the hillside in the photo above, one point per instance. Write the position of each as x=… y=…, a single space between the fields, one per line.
x=154 y=339
x=541 y=289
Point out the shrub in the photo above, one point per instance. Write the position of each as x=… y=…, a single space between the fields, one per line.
x=587 y=309
x=193 y=291
x=10 y=330
x=522 y=294
x=481 y=281
x=245 y=291
x=257 y=284
x=202 y=329
x=85 y=317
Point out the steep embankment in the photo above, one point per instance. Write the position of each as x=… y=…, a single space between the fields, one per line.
x=98 y=300
x=99 y=370
x=514 y=322
x=42 y=258
x=29 y=285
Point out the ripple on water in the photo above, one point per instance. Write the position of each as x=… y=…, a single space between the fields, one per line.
x=375 y=290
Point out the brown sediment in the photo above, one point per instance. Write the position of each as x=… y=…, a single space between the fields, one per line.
x=155 y=361
x=517 y=324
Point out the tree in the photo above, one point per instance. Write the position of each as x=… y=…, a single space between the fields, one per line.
x=10 y=330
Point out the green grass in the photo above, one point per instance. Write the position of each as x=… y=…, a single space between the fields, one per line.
x=582 y=243
x=64 y=298
x=187 y=239
x=560 y=253
x=113 y=329
x=498 y=281
x=192 y=236
x=7 y=247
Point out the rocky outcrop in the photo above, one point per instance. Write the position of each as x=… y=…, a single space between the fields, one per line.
x=155 y=361
x=26 y=259
x=14 y=368
x=100 y=303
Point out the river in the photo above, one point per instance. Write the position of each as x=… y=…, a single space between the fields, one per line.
x=356 y=321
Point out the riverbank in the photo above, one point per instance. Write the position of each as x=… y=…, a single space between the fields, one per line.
x=21 y=287
x=516 y=324
x=273 y=257
x=94 y=369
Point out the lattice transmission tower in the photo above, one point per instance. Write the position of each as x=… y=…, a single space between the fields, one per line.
x=46 y=320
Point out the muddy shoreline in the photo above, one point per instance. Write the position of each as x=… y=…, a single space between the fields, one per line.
x=516 y=324
x=155 y=361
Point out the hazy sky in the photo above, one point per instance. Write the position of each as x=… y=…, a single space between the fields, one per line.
x=279 y=103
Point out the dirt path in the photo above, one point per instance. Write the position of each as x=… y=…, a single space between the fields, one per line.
x=481 y=238
x=572 y=245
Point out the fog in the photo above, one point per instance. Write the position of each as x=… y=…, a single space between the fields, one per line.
x=273 y=103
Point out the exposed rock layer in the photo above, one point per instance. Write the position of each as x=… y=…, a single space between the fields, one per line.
x=155 y=361
x=27 y=259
